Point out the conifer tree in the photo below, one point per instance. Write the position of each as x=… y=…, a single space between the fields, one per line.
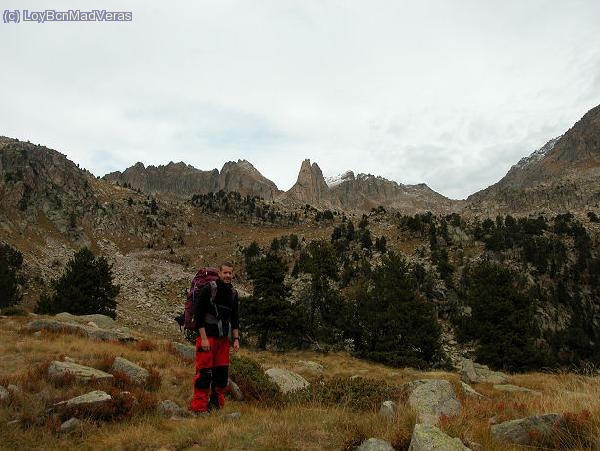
x=86 y=287
x=11 y=261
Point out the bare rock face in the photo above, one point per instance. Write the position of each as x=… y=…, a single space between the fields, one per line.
x=429 y=438
x=183 y=180
x=245 y=179
x=310 y=187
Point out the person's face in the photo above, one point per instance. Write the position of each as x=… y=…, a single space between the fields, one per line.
x=226 y=274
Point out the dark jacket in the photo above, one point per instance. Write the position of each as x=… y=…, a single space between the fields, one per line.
x=227 y=304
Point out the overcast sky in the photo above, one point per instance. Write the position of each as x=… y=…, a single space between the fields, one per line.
x=448 y=93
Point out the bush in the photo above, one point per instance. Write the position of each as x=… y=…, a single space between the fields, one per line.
x=253 y=382
x=85 y=288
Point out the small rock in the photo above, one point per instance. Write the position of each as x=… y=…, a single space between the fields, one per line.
x=4 y=394
x=234 y=390
x=69 y=359
x=233 y=416
x=286 y=380
x=516 y=389
x=474 y=373
x=388 y=410
x=13 y=388
x=37 y=334
x=469 y=391
x=91 y=398
x=309 y=366
x=525 y=430
x=429 y=438
x=168 y=408
x=92 y=324
x=70 y=425
x=375 y=444
x=136 y=373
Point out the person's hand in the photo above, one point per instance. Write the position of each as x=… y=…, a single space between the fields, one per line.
x=204 y=344
x=236 y=345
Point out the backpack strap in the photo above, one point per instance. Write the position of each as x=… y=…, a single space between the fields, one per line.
x=213 y=294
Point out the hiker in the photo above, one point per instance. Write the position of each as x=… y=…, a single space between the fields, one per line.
x=217 y=322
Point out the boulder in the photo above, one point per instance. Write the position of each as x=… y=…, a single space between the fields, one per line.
x=136 y=373
x=523 y=431
x=102 y=321
x=310 y=367
x=475 y=373
x=286 y=380
x=432 y=398
x=187 y=352
x=375 y=444
x=4 y=394
x=70 y=425
x=80 y=372
x=84 y=330
x=388 y=410
x=89 y=399
x=516 y=389
x=170 y=409
x=426 y=437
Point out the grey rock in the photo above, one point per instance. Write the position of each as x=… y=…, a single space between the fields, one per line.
x=432 y=398
x=234 y=390
x=70 y=425
x=86 y=331
x=426 y=437
x=310 y=367
x=136 y=373
x=92 y=398
x=4 y=394
x=375 y=444
x=516 y=389
x=388 y=410
x=80 y=372
x=520 y=431
x=475 y=373
x=470 y=392
x=13 y=388
x=37 y=334
x=233 y=416
x=168 y=408
x=286 y=380
x=101 y=321
x=187 y=352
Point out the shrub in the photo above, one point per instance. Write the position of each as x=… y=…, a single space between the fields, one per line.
x=253 y=382
x=85 y=288
x=11 y=262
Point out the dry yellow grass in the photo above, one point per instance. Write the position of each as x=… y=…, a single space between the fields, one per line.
x=300 y=426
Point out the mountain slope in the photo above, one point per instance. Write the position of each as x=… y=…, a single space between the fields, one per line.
x=563 y=175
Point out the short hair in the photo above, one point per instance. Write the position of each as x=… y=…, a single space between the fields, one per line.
x=228 y=264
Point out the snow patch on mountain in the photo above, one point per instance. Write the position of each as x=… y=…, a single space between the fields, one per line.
x=538 y=154
x=338 y=179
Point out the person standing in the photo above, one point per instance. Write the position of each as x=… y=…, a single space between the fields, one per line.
x=217 y=317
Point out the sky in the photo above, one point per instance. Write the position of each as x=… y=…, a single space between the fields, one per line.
x=450 y=93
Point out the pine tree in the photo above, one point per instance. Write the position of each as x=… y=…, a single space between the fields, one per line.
x=11 y=261
x=267 y=313
x=398 y=325
x=86 y=287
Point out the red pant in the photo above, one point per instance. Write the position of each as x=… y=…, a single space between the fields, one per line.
x=211 y=372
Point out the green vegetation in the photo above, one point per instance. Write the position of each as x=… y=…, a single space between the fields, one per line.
x=85 y=288
x=11 y=262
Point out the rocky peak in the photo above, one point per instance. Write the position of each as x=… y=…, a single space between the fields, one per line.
x=243 y=177
x=310 y=187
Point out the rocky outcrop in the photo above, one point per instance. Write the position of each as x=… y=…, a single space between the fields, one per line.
x=525 y=430
x=429 y=438
x=310 y=187
x=475 y=373
x=432 y=398
x=286 y=380
x=183 y=180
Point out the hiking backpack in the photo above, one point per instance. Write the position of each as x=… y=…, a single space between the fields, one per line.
x=187 y=322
